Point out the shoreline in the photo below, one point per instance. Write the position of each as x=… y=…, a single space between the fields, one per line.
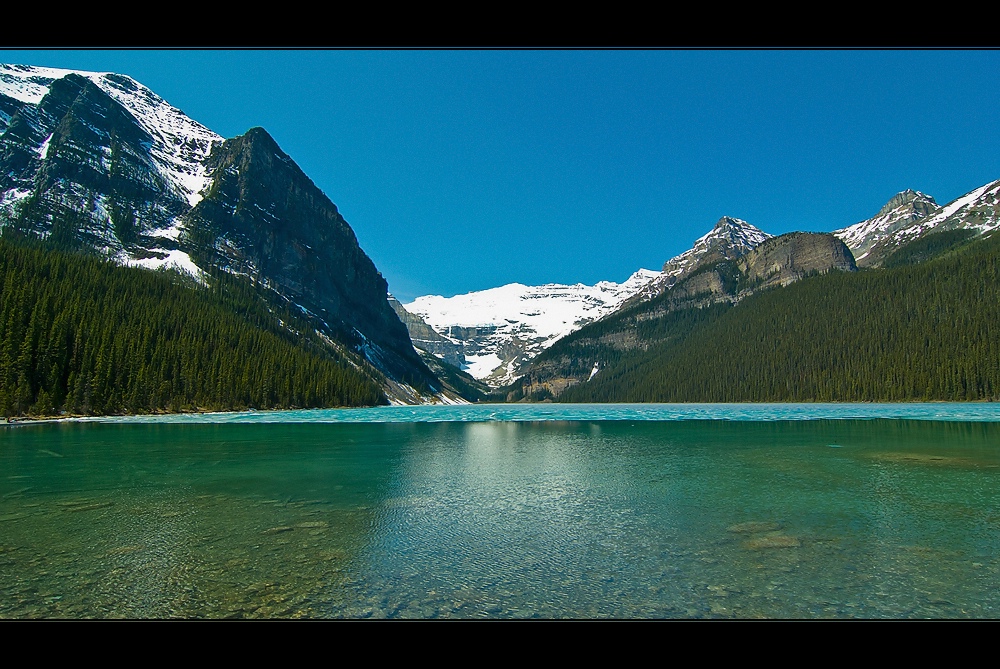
x=966 y=411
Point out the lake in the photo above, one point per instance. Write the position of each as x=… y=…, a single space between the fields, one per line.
x=507 y=511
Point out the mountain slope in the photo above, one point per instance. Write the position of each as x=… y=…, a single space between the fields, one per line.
x=262 y=217
x=705 y=289
x=83 y=335
x=178 y=145
x=729 y=239
x=96 y=162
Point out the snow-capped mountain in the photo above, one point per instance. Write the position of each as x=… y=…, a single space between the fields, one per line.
x=910 y=215
x=729 y=239
x=179 y=143
x=171 y=153
x=97 y=162
x=496 y=331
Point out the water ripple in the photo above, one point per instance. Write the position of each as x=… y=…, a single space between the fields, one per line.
x=934 y=411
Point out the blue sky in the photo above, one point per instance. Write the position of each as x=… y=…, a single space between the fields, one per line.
x=465 y=170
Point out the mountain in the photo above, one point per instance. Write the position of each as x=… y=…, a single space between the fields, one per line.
x=496 y=334
x=734 y=261
x=262 y=217
x=729 y=239
x=493 y=333
x=96 y=162
x=503 y=335
x=441 y=355
x=910 y=216
x=775 y=323
x=924 y=331
x=82 y=335
x=782 y=260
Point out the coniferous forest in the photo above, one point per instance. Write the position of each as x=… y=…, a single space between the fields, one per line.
x=82 y=335
x=923 y=328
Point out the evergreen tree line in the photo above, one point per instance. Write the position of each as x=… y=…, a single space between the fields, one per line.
x=927 y=331
x=82 y=335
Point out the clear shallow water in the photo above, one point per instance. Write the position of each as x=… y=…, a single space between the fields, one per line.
x=556 y=515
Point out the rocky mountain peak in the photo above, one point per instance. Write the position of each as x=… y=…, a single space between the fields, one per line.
x=729 y=239
x=729 y=222
x=918 y=202
x=871 y=239
x=736 y=233
x=262 y=217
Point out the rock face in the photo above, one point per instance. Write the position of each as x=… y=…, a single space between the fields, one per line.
x=900 y=212
x=426 y=338
x=77 y=167
x=263 y=217
x=781 y=260
x=729 y=239
x=99 y=163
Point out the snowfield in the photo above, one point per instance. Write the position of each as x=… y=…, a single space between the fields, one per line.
x=516 y=322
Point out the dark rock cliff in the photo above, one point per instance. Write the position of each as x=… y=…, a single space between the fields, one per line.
x=263 y=217
x=782 y=260
x=426 y=338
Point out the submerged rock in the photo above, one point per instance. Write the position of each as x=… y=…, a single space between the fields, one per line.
x=754 y=526
x=278 y=530
x=772 y=541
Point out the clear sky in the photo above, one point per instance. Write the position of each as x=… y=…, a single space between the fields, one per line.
x=465 y=170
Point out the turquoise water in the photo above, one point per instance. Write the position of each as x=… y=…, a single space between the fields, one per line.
x=743 y=511
x=970 y=411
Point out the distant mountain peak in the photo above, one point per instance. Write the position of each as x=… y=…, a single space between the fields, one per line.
x=729 y=239
x=920 y=201
x=736 y=231
x=492 y=333
x=732 y=222
x=911 y=214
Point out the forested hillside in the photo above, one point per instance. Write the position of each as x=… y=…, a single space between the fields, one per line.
x=86 y=336
x=925 y=331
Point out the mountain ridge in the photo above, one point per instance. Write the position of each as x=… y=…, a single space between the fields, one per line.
x=911 y=215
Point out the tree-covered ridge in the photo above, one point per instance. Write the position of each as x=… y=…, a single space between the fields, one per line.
x=927 y=331
x=85 y=336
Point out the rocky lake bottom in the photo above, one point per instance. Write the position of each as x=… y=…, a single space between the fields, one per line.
x=525 y=515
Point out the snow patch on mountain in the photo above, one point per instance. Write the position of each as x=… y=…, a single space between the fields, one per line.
x=985 y=199
x=174 y=258
x=481 y=366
